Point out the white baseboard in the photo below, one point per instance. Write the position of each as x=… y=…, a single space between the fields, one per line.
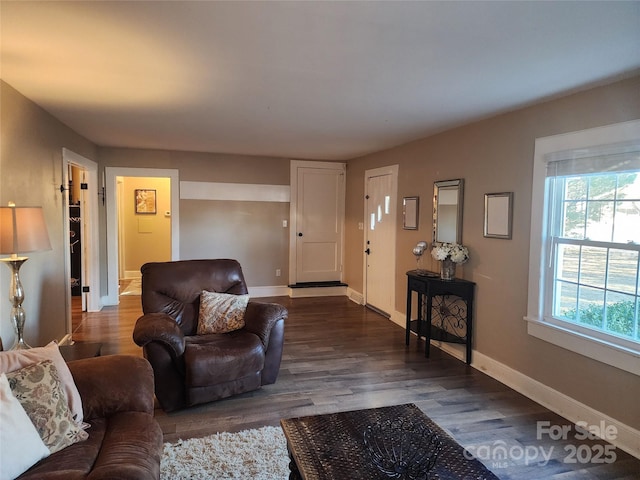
x=269 y=291
x=128 y=274
x=398 y=318
x=627 y=438
x=456 y=350
x=355 y=297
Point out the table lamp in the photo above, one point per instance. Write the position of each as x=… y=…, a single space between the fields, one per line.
x=22 y=230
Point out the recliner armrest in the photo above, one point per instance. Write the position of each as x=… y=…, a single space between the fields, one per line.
x=159 y=327
x=259 y=318
x=113 y=384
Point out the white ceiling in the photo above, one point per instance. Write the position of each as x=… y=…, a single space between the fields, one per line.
x=307 y=80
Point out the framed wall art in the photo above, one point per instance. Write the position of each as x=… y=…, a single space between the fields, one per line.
x=498 y=213
x=410 y=212
x=145 y=201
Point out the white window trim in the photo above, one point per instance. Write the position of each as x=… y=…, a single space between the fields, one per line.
x=589 y=346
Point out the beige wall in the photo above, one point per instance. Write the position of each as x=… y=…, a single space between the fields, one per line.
x=201 y=167
x=496 y=155
x=250 y=232
x=147 y=237
x=31 y=143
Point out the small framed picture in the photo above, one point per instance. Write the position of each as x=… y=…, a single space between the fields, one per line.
x=498 y=213
x=145 y=201
x=410 y=213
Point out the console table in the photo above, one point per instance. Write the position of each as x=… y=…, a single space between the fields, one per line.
x=445 y=309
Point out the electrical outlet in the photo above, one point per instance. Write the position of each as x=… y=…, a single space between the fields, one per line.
x=278 y=272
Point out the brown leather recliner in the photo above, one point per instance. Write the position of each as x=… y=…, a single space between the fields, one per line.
x=191 y=369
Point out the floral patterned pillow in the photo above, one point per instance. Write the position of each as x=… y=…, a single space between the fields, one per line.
x=221 y=312
x=38 y=389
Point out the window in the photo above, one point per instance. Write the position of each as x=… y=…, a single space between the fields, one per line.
x=584 y=287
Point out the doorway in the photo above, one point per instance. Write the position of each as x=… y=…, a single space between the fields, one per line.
x=381 y=185
x=144 y=227
x=80 y=206
x=145 y=220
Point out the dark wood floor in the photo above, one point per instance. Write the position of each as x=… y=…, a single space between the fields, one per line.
x=341 y=356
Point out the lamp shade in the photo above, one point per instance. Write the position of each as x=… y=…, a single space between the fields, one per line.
x=23 y=230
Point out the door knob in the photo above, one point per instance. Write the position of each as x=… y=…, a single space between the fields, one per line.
x=299 y=234
x=368 y=251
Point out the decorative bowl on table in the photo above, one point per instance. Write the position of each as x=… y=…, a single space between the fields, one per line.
x=401 y=449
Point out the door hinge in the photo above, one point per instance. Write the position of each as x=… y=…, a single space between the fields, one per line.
x=84 y=186
x=85 y=289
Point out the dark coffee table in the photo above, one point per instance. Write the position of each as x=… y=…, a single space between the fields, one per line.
x=331 y=447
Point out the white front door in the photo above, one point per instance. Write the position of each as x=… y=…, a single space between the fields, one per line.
x=317 y=221
x=380 y=221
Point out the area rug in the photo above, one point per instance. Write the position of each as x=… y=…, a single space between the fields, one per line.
x=259 y=454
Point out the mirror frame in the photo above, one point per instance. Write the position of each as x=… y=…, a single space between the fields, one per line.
x=459 y=182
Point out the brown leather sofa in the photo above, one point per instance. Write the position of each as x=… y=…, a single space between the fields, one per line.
x=191 y=369
x=125 y=441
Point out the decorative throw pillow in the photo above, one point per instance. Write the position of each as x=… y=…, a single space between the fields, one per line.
x=221 y=312
x=13 y=360
x=37 y=387
x=20 y=445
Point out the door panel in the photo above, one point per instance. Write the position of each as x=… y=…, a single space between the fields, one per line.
x=320 y=213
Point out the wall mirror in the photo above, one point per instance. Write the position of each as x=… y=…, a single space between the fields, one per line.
x=447 y=210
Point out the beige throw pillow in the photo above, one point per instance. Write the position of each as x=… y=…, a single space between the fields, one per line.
x=38 y=389
x=13 y=360
x=221 y=312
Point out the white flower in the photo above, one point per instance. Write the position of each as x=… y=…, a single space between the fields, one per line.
x=457 y=253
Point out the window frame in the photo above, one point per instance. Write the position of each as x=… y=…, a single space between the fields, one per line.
x=586 y=143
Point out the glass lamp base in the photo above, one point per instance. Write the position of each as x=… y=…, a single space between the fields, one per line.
x=16 y=295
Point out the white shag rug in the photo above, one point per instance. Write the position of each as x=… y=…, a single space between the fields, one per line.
x=258 y=454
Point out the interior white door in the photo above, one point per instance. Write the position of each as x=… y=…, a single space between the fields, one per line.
x=89 y=207
x=380 y=241
x=84 y=268
x=319 y=224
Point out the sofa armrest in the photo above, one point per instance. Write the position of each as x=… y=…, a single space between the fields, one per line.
x=113 y=384
x=159 y=327
x=259 y=318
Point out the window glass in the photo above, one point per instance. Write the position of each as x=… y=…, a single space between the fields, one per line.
x=596 y=280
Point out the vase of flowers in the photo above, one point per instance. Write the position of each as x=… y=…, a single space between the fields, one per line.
x=450 y=255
